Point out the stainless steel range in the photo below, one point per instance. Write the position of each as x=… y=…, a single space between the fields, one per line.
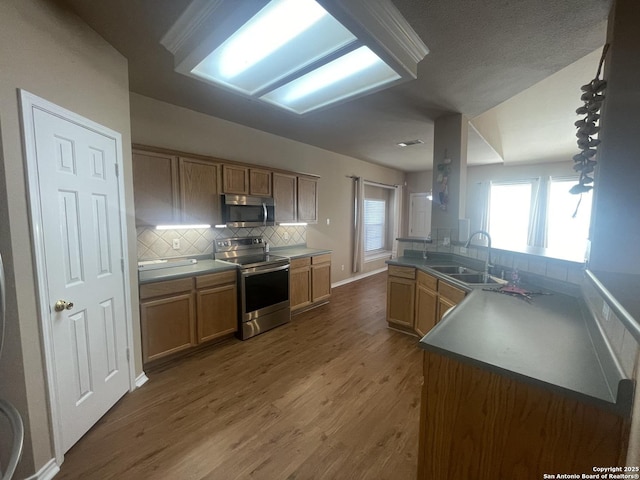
x=264 y=284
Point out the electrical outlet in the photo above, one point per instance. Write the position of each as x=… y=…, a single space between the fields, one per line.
x=176 y=244
x=328 y=221
x=342 y=267
x=606 y=310
x=446 y=241
x=286 y=235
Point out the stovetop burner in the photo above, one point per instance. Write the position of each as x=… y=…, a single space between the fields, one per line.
x=247 y=252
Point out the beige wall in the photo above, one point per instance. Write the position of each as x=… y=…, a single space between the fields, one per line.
x=50 y=53
x=160 y=124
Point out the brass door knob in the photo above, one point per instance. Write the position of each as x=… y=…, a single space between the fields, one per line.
x=62 y=305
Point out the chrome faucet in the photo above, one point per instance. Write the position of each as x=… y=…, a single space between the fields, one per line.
x=487 y=263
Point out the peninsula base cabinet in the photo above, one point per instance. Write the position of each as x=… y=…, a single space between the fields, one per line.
x=416 y=301
x=179 y=315
x=478 y=424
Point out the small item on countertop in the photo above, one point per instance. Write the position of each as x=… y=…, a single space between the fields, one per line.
x=516 y=291
x=266 y=247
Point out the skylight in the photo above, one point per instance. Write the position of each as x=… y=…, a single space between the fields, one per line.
x=294 y=54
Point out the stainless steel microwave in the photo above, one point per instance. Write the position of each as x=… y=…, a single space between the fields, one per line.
x=247 y=211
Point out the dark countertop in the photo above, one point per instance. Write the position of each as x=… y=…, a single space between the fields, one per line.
x=208 y=265
x=551 y=342
x=298 y=251
x=170 y=273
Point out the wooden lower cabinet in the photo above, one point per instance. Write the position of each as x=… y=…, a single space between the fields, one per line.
x=401 y=293
x=177 y=315
x=300 y=283
x=320 y=278
x=217 y=306
x=480 y=425
x=426 y=303
x=309 y=282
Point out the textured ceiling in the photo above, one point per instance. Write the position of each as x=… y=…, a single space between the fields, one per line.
x=481 y=54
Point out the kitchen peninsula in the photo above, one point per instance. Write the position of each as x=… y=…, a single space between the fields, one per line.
x=515 y=389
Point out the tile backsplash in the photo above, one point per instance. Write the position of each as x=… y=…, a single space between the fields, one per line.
x=156 y=244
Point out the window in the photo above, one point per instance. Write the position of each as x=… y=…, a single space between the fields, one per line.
x=374 y=225
x=566 y=233
x=509 y=211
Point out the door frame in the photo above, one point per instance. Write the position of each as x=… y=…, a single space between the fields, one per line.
x=28 y=104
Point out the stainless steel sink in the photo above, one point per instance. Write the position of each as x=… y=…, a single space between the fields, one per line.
x=472 y=278
x=457 y=269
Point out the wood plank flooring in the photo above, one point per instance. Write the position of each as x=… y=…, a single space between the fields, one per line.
x=332 y=395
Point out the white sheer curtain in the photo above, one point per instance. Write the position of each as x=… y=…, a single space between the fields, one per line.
x=397 y=226
x=537 y=235
x=358 y=223
x=480 y=208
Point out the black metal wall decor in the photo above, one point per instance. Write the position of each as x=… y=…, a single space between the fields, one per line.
x=588 y=128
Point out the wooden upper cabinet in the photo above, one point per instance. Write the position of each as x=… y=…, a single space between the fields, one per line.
x=285 y=196
x=155 y=186
x=259 y=182
x=235 y=180
x=308 y=199
x=199 y=190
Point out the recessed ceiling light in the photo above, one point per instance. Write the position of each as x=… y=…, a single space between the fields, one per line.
x=408 y=143
x=300 y=55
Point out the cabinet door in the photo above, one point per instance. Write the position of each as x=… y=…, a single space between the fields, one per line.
x=260 y=182
x=444 y=304
x=307 y=200
x=284 y=196
x=426 y=309
x=217 y=312
x=235 y=180
x=400 y=301
x=168 y=325
x=299 y=287
x=199 y=192
x=320 y=278
x=155 y=188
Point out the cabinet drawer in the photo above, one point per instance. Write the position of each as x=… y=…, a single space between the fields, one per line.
x=325 y=258
x=403 y=272
x=450 y=292
x=214 y=279
x=167 y=287
x=427 y=280
x=300 y=262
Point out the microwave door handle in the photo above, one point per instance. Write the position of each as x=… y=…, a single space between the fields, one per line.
x=264 y=211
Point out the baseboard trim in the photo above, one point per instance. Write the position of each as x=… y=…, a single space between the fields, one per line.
x=141 y=380
x=47 y=472
x=358 y=277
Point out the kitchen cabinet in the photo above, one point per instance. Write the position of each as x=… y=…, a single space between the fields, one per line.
x=307 y=199
x=240 y=180
x=320 y=278
x=235 y=180
x=178 y=315
x=300 y=283
x=199 y=191
x=448 y=297
x=167 y=316
x=285 y=195
x=426 y=303
x=401 y=292
x=217 y=307
x=309 y=282
x=260 y=182
x=155 y=186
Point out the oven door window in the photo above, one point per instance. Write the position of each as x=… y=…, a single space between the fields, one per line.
x=265 y=289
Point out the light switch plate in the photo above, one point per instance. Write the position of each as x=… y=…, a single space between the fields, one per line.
x=176 y=244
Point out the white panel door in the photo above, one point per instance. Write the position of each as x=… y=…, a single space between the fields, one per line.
x=80 y=210
x=419 y=215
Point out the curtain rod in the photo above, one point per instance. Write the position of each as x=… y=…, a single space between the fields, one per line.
x=371 y=182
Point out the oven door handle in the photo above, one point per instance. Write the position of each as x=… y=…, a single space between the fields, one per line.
x=259 y=270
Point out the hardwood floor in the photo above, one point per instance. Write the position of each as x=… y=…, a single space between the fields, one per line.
x=332 y=395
